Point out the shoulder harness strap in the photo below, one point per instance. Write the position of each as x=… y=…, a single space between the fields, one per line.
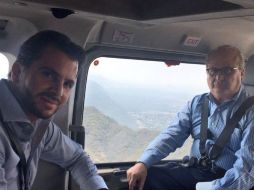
x=23 y=164
x=230 y=126
x=227 y=131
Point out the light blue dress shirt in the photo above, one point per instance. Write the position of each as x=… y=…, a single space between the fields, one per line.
x=55 y=147
x=237 y=156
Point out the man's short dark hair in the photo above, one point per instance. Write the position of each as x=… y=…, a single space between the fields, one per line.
x=32 y=48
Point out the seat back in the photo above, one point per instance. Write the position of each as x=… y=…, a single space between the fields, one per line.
x=249 y=76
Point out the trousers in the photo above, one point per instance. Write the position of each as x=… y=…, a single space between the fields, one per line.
x=174 y=176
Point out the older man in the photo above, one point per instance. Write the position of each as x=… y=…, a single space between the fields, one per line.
x=232 y=169
x=41 y=81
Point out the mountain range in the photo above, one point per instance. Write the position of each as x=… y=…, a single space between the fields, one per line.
x=108 y=141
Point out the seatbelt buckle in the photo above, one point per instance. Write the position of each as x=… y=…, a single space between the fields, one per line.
x=205 y=162
x=213 y=166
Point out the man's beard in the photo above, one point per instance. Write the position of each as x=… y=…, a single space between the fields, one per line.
x=30 y=105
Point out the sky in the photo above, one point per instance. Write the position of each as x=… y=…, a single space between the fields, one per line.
x=151 y=73
x=4 y=66
x=140 y=72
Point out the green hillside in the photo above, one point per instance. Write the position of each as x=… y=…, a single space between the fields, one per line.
x=108 y=141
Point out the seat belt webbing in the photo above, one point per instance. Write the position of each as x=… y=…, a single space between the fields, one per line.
x=217 y=148
x=203 y=129
x=23 y=164
x=230 y=126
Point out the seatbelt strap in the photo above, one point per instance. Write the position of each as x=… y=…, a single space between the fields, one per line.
x=217 y=148
x=39 y=133
x=230 y=126
x=23 y=164
x=204 y=125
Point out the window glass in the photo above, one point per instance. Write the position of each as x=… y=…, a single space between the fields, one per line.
x=128 y=102
x=4 y=66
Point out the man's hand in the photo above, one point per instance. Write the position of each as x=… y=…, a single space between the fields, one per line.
x=136 y=176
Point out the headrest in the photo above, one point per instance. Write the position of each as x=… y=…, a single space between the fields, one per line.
x=249 y=72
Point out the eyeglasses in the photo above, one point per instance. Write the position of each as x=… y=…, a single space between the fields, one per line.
x=226 y=71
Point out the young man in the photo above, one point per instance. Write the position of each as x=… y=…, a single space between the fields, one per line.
x=41 y=81
x=233 y=168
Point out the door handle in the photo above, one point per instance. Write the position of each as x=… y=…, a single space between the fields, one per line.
x=119 y=172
